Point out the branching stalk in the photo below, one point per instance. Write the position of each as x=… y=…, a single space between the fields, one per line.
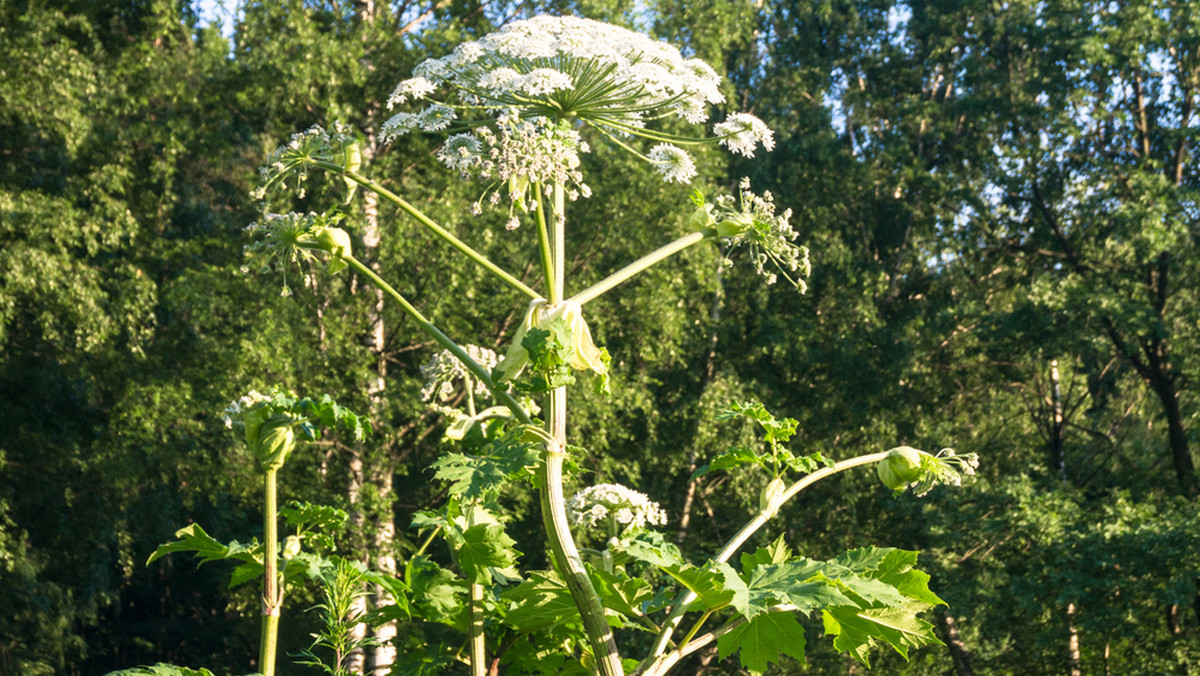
x=668 y=661
x=554 y=513
x=553 y=290
x=442 y=339
x=736 y=542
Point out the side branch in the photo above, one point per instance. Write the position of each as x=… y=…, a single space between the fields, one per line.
x=736 y=542
x=424 y=220
x=442 y=339
x=624 y=274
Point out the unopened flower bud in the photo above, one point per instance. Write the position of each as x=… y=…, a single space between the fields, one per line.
x=735 y=225
x=771 y=497
x=337 y=243
x=291 y=547
x=901 y=467
x=276 y=439
x=701 y=218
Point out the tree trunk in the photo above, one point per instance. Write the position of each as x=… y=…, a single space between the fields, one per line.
x=1181 y=455
x=1058 y=462
x=1074 y=667
x=958 y=649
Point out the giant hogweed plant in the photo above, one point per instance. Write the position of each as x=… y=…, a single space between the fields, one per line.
x=518 y=108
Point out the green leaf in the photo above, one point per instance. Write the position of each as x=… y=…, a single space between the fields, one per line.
x=550 y=351
x=777 y=552
x=620 y=592
x=318 y=523
x=735 y=457
x=204 y=547
x=856 y=630
x=482 y=476
x=161 y=669
x=435 y=591
x=797 y=582
x=776 y=431
x=804 y=464
x=484 y=547
x=897 y=570
x=651 y=547
x=708 y=585
x=541 y=603
x=763 y=640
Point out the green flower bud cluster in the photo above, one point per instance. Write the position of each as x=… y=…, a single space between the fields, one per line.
x=338 y=145
x=905 y=466
x=272 y=423
x=750 y=220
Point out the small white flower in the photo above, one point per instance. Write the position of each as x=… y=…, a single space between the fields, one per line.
x=673 y=163
x=414 y=88
x=499 y=80
x=742 y=132
x=542 y=81
x=460 y=152
x=436 y=117
x=625 y=506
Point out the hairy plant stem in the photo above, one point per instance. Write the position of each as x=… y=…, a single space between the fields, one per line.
x=650 y=665
x=272 y=597
x=479 y=663
x=436 y=229
x=554 y=513
x=625 y=273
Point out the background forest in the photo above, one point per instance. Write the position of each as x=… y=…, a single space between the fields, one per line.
x=1001 y=199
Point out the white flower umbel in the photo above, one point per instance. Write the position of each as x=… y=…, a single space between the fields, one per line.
x=614 y=505
x=532 y=85
x=742 y=133
x=673 y=163
x=301 y=150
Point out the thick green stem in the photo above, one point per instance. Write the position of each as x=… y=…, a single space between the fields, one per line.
x=442 y=339
x=554 y=513
x=272 y=597
x=478 y=643
x=431 y=225
x=552 y=288
x=623 y=275
x=736 y=542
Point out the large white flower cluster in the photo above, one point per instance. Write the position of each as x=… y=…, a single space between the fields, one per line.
x=613 y=502
x=567 y=70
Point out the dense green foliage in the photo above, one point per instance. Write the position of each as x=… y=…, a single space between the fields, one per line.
x=1000 y=199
